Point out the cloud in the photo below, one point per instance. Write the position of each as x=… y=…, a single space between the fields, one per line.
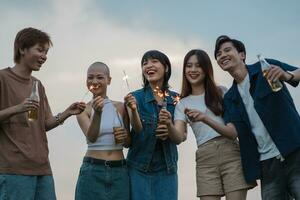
x=81 y=38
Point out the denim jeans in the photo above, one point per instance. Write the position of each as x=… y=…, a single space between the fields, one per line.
x=16 y=187
x=101 y=182
x=281 y=179
x=157 y=185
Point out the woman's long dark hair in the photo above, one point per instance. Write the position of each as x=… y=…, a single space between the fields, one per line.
x=213 y=94
x=164 y=60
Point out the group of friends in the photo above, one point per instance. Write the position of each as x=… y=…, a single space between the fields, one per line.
x=244 y=133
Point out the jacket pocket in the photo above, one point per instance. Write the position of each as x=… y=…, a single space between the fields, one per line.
x=149 y=122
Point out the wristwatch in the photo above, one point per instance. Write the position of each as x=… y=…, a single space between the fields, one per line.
x=292 y=75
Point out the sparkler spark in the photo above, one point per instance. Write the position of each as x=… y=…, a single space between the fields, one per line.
x=176 y=99
x=91 y=87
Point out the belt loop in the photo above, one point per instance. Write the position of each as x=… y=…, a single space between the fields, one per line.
x=106 y=164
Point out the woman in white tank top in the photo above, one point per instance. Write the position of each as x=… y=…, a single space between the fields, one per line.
x=103 y=174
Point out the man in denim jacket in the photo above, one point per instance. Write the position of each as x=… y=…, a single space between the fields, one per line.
x=267 y=122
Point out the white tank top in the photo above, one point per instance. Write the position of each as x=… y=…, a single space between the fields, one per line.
x=110 y=117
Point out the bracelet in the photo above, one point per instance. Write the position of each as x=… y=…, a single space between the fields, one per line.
x=58 y=119
x=292 y=76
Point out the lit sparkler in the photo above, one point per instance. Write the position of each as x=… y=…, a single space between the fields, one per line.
x=125 y=78
x=176 y=99
x=91 y=87
x=158 y=92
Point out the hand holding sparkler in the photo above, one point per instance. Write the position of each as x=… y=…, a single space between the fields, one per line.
x=130 y=101
x=161 y=131
x=164 y=117
x=98 y=104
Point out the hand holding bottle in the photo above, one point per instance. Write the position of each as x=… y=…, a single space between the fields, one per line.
x=275 y=73
x=27 y=105
x=164 y=119
x=34 y=99
x=270 y=71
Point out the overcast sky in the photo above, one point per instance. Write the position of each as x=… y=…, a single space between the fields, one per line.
x=118 y=33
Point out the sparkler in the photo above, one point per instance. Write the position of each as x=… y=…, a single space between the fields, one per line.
x=176 y=99
x=86 y=93
x=125 y=78
x=158 y=92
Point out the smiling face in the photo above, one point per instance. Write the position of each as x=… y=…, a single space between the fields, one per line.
x=34 y=57
x=228 y=58
x=98 y=79
x=153 y=71
x=193 y=71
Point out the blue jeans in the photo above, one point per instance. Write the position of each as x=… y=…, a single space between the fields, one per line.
x=153 y=185
x=102 y=182
x=16 y=187
x=281 y=179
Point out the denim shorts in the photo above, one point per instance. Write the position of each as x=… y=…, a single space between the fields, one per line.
x=102 y=180
x=16 y=187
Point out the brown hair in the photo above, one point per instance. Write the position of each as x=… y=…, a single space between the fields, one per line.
x=213 y=94
x=27 y=38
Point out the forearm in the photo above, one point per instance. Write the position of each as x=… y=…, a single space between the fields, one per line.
x=54 y=121
x=176 y=135
x=94 y=128
x=228 y=131
x=135 y=121
x=8 y=112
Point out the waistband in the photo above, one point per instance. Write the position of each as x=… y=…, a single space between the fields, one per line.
x=107 y=163
x=217 y=140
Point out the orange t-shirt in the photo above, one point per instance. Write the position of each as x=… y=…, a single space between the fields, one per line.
x=23 y=144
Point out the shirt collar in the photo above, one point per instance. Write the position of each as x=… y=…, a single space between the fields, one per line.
x=253 y=71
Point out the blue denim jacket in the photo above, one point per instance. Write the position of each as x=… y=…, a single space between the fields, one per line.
x=276 y=110
x=143 y=144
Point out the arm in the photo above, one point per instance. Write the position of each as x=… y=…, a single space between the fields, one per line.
x=227 y=130
x=133 y=114
x=73 y=109
x=89 y=127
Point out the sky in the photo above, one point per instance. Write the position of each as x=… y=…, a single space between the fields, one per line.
x=118 y=33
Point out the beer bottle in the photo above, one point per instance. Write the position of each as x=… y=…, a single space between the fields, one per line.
x=33 y=114
x=265 y=66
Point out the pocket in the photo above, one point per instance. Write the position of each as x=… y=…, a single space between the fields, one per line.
x=232 y=146
x=2 y=188
x=84 y=169
x=149 y=122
